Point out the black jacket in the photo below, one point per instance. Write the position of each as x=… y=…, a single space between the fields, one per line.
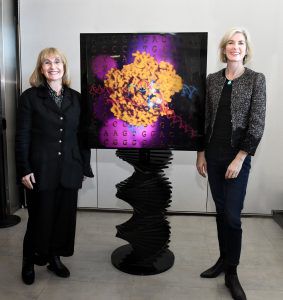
x=49 y=140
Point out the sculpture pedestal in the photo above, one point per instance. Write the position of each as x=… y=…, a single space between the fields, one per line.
x=148 y=191
x=124 y=259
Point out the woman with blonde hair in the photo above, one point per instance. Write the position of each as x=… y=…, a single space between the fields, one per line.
x=51 y=161
x=234 y=124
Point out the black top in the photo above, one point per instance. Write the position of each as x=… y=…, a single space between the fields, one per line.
x=220 y=143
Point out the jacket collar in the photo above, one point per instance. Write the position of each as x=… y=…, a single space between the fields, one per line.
x=219 y=81
x=43 y=92
x=220 y=76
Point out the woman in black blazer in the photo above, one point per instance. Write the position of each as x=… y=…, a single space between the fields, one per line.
x=51 y=163
x=234 y=124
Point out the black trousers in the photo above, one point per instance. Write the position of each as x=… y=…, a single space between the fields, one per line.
x=52 y=222
x=228 y=195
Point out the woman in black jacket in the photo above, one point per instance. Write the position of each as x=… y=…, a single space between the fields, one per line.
x=51 y=163
x=234 y=124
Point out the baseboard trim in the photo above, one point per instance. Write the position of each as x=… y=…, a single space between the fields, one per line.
x=169 y=213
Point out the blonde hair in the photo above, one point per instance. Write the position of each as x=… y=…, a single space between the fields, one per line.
x=227 y=36
x=37 y=78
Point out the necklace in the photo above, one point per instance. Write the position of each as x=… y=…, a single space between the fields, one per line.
x=234 y=76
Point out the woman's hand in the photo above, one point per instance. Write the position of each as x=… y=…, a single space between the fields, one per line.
x=201 y=164
x=235 y=166
x=28 y=180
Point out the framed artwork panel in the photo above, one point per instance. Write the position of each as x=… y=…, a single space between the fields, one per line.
x=144 y=90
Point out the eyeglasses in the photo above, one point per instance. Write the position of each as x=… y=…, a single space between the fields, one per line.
x=48 y=62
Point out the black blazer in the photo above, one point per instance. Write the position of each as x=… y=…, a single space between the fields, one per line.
x=49 y=140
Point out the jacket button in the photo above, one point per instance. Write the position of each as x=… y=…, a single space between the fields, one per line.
x=61 y=129
x=60 y=141
x=61 y=118
x=59 y=153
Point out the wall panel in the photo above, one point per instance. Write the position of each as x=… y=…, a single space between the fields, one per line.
x=59 y=23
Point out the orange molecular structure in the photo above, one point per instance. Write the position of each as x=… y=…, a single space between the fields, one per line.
x=141 y=91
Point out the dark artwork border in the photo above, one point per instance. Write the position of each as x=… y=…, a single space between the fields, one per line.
x=180 y=130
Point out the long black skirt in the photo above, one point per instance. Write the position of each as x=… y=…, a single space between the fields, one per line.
x=51 y=224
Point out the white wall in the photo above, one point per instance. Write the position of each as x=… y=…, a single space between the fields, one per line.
x=59 y=23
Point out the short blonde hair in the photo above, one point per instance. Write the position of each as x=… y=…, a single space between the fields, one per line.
x=227 y=36
x=37 y=78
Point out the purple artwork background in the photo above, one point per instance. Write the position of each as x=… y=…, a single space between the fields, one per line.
x=183 y=129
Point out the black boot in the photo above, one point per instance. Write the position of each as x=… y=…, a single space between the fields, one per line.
x=215 y=270
x=28 y=271
x=233 y=284
x=39 y=260
x=56 y=266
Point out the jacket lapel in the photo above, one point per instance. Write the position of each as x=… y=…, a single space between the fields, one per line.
x=47 y=101
x=67 y=101
x=50 y=104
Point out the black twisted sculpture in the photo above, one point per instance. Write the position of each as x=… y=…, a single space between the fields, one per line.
x=148 y=191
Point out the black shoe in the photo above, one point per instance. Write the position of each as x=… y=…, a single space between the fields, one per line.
x=233 y=284
x=56 y=266
x=39 y=260
x=215 y=270
x=28 y=271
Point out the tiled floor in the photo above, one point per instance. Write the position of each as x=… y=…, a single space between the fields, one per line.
x=193 y=242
